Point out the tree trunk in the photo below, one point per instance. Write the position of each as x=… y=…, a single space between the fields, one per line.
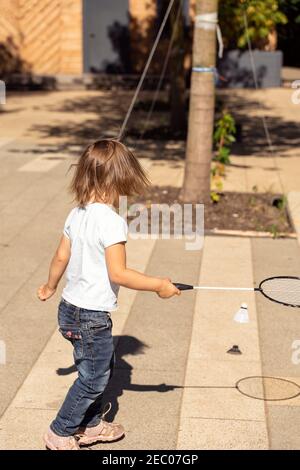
x=196 y=187
x=177 y=71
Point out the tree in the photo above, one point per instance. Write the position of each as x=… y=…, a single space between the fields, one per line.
x=196 y=187
x=263 y=17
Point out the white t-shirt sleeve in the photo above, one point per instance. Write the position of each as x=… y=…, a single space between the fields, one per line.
x=114 y=231
x=66 y=230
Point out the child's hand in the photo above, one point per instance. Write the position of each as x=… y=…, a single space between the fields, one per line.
x=45 y=292
x=167 y=289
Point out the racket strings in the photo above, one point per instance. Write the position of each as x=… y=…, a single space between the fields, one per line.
x=282 y=290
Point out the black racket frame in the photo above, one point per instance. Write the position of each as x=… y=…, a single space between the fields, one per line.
x=259 y=288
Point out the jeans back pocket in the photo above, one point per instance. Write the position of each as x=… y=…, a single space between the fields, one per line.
x=74 y=335
x=70 y=332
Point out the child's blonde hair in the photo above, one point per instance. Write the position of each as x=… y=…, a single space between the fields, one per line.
x=107 y=169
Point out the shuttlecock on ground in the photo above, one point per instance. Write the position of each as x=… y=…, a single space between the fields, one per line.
x=242 y=315
x=234 y=350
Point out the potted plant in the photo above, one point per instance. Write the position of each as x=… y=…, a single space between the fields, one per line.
x=263 y=16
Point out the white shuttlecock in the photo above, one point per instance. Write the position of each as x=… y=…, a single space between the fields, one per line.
x=242 y=315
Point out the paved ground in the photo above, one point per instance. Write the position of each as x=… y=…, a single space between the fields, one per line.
x=174 y=385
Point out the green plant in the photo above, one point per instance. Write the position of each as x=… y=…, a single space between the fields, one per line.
x=273 y=229
x=253 y=201
x=215 y=197
x=224 y=136
x=217 y=175
x=281 y=203
x=263 y=16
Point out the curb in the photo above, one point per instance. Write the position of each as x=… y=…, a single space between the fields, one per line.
x=248 y=233
x=293 y=207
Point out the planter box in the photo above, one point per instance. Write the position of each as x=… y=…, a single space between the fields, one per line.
x=236 y=68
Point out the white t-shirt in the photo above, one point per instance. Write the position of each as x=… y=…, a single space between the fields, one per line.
x=91 y=230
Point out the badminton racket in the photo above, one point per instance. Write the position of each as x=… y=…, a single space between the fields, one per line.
x=284 y=290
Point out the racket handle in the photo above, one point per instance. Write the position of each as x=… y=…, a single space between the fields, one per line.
x=183 y=286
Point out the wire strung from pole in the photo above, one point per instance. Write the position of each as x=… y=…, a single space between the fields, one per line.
x=263 y=118
x=141 y=81
x=163 y=72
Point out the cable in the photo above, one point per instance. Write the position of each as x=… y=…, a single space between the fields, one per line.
x=141 y=81
x=264 y=120
x=163 y=72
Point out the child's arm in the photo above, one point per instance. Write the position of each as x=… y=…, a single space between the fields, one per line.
x=57 y=268
x=115 y=256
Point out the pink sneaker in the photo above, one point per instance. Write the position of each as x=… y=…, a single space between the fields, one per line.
x=103 y=432
x=55 y=442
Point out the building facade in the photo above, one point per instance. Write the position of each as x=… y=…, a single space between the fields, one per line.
x=72 y=37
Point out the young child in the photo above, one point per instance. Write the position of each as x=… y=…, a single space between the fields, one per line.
x=92 y=248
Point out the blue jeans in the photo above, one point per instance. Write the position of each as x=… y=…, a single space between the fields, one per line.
x=90 y=334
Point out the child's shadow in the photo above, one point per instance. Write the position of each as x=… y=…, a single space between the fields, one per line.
x=121 y=378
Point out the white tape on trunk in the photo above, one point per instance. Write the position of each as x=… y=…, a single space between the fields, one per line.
x=220 y=41
x=209 y=22
x=206 y=21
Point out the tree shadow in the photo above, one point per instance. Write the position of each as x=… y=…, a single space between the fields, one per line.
x=109 y=108
x=237 y=76
x=106 y=113
x=131 y=42
x=17 y=73
x=10 y=59
x=248 y=113
x=142 y=35
x=119 y=35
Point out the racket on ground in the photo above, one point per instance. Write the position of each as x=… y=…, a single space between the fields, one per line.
x=284 y=290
